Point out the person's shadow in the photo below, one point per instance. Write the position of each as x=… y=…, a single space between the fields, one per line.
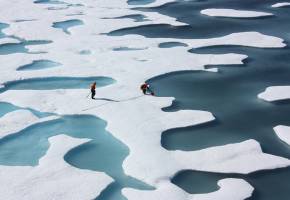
x=105 y=99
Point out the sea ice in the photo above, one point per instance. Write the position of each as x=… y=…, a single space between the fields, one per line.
x=17 y=120
x=233 y=189
x=234 y=13
x=283 y=132
x=282 y=4
x=135 y=119
x=275 y=93
x=53 y=178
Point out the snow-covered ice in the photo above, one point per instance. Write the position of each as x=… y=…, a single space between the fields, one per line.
x=17 y=120
x=282 y=4
x=275 y=93
x=136 y=120
x=234 y=189
x=283 y=132
x=217 y=12
x=53 y=178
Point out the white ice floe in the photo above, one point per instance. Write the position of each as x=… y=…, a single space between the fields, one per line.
x=53 y=178
x=275 y=93
x=250 y=39
x=233 y=189
x=9 y=41
x=283 y=132
x=215 y=12
x=143 y=137
x=17 y=120
x=282 y=4
x=135 y=119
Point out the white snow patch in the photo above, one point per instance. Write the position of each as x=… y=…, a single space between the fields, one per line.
x=234 y=189
x=256 y=40
x=275 y=93
x=234 y=13
x=283 y=132
x=53 y=178
x=15 y=121
x=8 y=41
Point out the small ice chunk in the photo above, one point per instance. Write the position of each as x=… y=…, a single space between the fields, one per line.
x=283 y=132
x=282 y=4
x=275 y=93
x=234 y=13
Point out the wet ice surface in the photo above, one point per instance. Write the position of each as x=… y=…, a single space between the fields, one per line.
x=11 y=48
x=2 y=26
x=126 y=49
x=136 y=18
x=171 y=44
x=53 y=83
x=66 y=25
x=38 y=65
x=139 y=2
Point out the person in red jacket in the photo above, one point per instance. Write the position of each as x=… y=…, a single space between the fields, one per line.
x=145 y=89
x=93 y=90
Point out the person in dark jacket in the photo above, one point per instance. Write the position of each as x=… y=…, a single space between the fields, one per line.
x=93 y=90
x=145 y=89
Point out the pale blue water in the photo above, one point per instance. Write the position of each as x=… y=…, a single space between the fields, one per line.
x=12 y=48
x=25 y=20
x=65 y=25
x=8 y=107
x=53 y=83
x=38 y=65
x=2 y=26
x=139 y=2
x=103 y=153
x=127 y=49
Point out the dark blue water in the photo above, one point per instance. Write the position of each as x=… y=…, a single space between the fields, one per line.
x=65 y=25
x=53 y=83
x=38 y=65
x=172 y=44
x=202 y=26
x=231 y=94
x=269 y=185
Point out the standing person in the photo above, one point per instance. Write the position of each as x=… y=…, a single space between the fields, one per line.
x=93 y=90
x=145 y=89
